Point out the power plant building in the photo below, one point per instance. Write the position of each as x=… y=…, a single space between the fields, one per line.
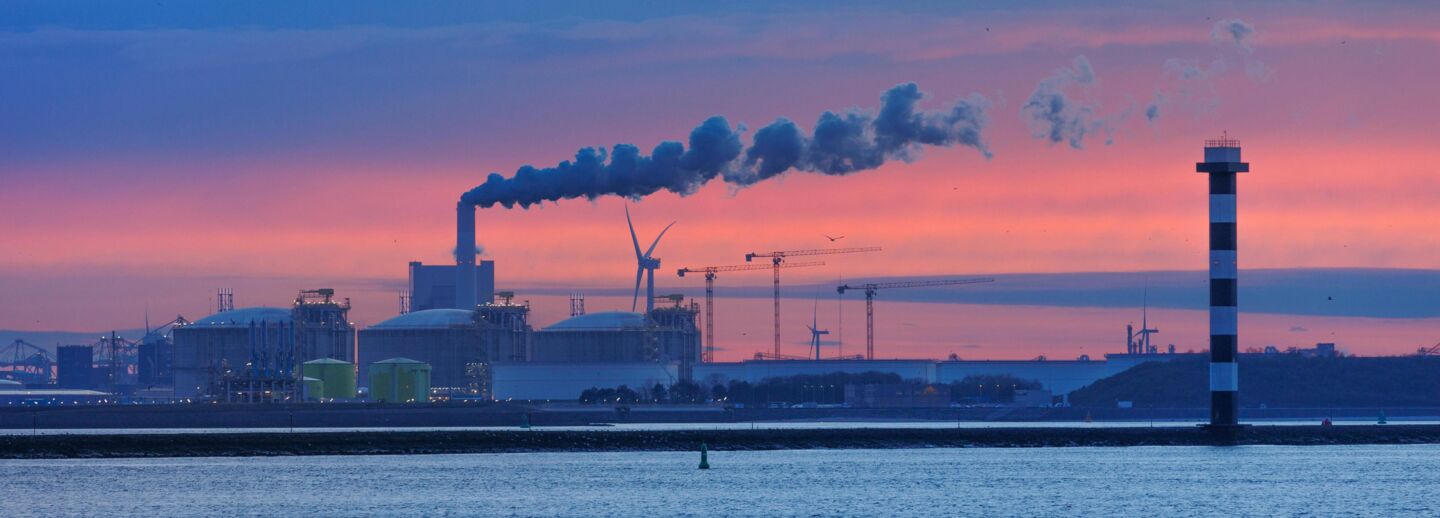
x=433 y=286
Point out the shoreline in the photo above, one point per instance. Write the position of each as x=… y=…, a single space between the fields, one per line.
x=539 y=440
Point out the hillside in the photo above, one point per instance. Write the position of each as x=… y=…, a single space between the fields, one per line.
x=1275 y=381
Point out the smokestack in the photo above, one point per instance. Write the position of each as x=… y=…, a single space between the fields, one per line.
x=465 y=296
x=1222 y=162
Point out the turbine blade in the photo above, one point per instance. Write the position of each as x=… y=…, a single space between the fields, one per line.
x=657 y=239
x=633 y=239
x=639 y=273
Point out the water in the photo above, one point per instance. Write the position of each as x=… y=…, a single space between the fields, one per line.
x=759 y=425
x=1167 y=481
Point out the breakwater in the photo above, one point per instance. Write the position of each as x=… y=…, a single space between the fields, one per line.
x=435 y=415
x=537 y=440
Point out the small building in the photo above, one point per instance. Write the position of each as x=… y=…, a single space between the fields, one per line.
x=900 y=395
x=564 y=381
x=400 y=380
x=1033 y=398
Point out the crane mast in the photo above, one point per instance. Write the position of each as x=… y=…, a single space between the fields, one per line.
x=778 y=258
x=710 y=273
x=871 y=288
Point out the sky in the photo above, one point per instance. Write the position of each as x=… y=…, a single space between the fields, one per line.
x=153 y=152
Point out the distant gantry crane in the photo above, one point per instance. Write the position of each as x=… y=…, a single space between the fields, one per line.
x=778 y=258
x=710 y=274
x=871 y=288
x=1433 y=350
x=26 y=363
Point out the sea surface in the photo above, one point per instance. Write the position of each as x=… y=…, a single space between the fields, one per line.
x=1137 y=481
x=747 y=425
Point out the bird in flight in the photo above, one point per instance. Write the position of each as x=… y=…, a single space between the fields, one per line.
x=834 y=239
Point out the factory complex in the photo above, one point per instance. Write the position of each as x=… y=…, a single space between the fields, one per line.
x=457 y=338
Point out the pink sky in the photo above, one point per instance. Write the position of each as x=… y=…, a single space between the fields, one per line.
x=132 y=201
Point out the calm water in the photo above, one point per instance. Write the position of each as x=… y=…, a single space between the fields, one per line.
x=758 y=425
x=1168 y=481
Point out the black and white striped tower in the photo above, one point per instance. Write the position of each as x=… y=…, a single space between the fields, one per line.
x=1222 y=162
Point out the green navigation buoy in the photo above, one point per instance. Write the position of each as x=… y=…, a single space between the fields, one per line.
x=704 y=457
x=1382 y=418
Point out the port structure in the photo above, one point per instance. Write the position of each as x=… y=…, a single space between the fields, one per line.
x=1222 y=163
x=710 y=273
x=871 y=288
x=778 y=258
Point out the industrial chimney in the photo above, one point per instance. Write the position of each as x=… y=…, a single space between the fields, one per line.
x=1222 y=162
x=465 y=296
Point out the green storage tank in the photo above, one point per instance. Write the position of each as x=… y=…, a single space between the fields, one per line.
x=400 y=380
x=338 y=377
x=311 y=389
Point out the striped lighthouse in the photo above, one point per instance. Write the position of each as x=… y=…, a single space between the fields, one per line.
x=1222 y=162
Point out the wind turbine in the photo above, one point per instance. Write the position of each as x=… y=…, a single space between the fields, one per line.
x=645 y=262
x=814 y=327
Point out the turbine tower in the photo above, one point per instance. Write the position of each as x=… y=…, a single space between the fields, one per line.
x=645 y=264
x=814 y=327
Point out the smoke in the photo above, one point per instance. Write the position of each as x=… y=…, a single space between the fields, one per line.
x=840 y=144
x=1233 y=31
x=1053 y=115
x=1189 y=84
x=1239 y=34
x=1152 y=111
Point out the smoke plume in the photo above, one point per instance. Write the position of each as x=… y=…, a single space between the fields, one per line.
x=1056 y=117
x=840 y=144
x=1233 y=31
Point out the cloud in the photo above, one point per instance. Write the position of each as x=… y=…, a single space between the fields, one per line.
x=1298 y=329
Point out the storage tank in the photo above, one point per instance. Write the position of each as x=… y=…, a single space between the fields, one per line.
x=448 y=339
x=400 y=380
x=212 y=348
x=312 y=389
x=338 y=377
x=259 y=350
x=669 y=335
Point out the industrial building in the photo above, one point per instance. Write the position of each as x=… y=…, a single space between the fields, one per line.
x=75 y=365
x=433 y=286
x=620 y=336
x=254 y=354
x=450 y=340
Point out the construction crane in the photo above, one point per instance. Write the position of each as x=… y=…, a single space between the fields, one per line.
x=710 y=273
x=778 y=258
x=871 y=288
